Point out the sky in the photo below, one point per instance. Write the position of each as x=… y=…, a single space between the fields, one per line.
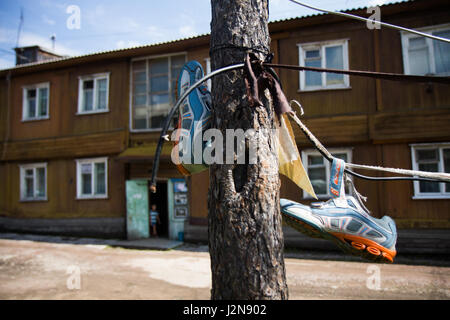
x=112 y=24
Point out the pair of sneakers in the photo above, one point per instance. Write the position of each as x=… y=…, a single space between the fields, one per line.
x=347 y=223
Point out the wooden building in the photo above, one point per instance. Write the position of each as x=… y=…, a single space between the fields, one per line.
x=78 y=134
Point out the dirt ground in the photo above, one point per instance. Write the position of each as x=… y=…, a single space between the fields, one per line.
x=48 y=270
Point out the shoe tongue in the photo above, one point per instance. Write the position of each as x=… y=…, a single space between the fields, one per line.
x=354 y=203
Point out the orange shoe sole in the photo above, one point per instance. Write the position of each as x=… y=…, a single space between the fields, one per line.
x=355 y=245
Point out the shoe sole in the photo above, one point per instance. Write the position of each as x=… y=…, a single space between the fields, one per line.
x=357 y=246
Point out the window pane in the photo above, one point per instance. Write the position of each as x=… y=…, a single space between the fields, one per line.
x=312 y=54
x=178 y=61
x=140 y=100
x=43 y=100
x=139 y=88
x=315 y=160
x=442 y=52
x=159 y=66
x=159 y=99
x=87 y=100
x=418 y=56
x=446 y=153
x=86 y=178
x=101 y=93
x=342 y=156
x=139 y=76
x=157 y=121
x=31 y=93
x=140 y=118
x=313 y=78
x=334 y=60
x=159 y=83
x=40 y=176
x=427 y=155
x=32 y=108
x=318 y=180
x=100 y=178
x=88 y=84
x=429 y=186
x=29 y=187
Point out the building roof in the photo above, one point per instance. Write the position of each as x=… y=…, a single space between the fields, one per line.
x=274 y=26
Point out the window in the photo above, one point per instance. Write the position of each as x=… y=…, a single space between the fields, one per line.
x=434 y=158
x=33 y=182
x=318 y=169
x=426 y=56
x=93 y=92
x=35 y=102
x=92 y=178
x=333 y=55
x=154 y=85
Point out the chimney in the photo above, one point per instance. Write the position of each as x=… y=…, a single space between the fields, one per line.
x=34 y=54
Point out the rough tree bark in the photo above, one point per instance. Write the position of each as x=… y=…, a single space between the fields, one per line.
x=244 y=221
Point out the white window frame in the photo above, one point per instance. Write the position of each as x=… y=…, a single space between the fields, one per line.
x=37 y=86
x=405 y=36
x=92 y=161
x=422 y=146
x=94 y=77
x=33 y=166
x=327 y=164
x=147 y=58
x=302 y=47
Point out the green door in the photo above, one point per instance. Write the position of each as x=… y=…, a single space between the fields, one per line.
x=137 y=209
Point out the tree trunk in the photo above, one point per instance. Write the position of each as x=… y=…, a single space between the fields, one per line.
x=244 y=222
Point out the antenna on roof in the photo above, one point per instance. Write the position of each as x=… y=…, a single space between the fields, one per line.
x=53 y=38
x=20 y=27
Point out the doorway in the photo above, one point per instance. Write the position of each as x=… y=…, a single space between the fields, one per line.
x=160 y=200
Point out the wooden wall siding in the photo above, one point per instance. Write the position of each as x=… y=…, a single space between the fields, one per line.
x=402 y=95
x=393 y=198
x=64 y=103
x=144 y=170
x=66 y=147
x=199 y=54
x=398 y=195
x=3 y=110
x=341 y=130
x=61 y=193
x=198 y=197
x=358 y=99
x=413 y=126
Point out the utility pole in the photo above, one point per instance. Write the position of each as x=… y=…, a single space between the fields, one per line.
x=244 y=222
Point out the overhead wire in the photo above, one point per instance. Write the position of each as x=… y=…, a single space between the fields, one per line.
x=351 y=16
x=316 y=143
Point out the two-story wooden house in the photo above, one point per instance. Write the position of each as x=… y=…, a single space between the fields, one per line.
x=78 y=134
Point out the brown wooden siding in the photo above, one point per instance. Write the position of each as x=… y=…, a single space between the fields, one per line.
x=61 y=193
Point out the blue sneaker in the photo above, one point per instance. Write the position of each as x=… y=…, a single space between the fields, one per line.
x=195 y=117
x=346 y=223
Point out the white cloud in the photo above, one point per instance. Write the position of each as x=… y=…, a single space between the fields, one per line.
x=187 y=31
x=376 y=3
x=5 y=63
x=8 y=37
x=47 y=20
x=155 y=33
x=121 y=44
